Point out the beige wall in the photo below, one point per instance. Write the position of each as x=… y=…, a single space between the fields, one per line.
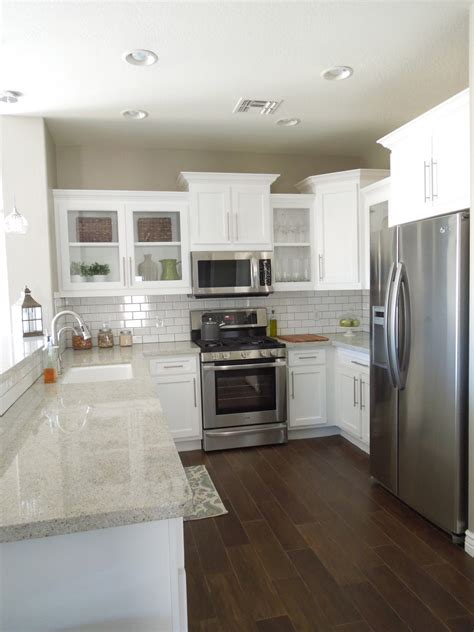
x=87 y=167
x=25 y=147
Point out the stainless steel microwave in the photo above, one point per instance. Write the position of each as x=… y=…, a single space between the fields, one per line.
x=232 y=273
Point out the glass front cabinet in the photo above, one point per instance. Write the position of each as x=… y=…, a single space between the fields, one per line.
x=293 y=230
x=122 y=241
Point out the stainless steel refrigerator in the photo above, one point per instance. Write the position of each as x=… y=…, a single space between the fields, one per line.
x=419 y=363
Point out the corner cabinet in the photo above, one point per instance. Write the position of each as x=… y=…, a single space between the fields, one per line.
x=430 y=163
x=339 y=231
x=229 y=211
x=352 y=391
x=119 y=242
x=374 y=204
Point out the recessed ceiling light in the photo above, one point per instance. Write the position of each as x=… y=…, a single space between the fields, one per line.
x=290 y=122
x=136 y=115
x=337 y=73
x=10 y=96
x=141 y=57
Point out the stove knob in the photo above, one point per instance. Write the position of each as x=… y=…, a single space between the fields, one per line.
x=244 y=354
x=216 y=356
x=226 y=355
x=265 y=353
x=275 y=353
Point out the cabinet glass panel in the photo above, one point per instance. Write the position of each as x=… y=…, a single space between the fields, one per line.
x=93 y=246
x=157 y=246
x=292 y=249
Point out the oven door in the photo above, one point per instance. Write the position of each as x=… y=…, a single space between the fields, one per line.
x=247 y=393
x=224 y=273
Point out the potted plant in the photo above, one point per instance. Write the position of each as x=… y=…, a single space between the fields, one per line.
x=99 y=272
x=86 y=272
x=76 y=272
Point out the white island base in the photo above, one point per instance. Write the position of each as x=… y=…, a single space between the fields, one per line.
x=115 y=579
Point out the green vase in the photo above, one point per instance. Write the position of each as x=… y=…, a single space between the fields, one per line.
x=169 y=270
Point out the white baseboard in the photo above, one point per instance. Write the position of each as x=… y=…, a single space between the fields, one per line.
x=357 y=442
x=469 y=543
x=186 y=446
x=312 y=433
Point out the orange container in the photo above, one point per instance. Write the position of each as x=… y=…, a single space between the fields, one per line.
x=49 y=376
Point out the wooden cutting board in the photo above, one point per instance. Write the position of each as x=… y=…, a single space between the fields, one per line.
x=303 y=338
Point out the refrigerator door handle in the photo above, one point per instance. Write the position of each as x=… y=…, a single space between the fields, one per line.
x=388 y=332
x=405 y=327
x=399 y=326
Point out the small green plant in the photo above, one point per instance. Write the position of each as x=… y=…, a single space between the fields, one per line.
x=86 y=270
x=99 y=269
x=76 y=268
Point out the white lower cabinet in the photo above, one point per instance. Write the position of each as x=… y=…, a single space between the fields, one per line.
x=178 y=389
x=352 y=392
x=307 y=389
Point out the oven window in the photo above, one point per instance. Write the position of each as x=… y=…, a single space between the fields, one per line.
x=224 y=273
x=245 y=390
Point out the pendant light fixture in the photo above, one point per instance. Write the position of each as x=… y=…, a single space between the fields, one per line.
x=14 y=222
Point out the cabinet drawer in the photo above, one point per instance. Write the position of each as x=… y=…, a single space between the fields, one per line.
x=173 y=365
x=356 y=361
x=309 y=356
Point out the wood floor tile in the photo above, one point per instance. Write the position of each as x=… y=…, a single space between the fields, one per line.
x=211 y=550
x=261 y=599
x=230 y=527
x=300 y=605
x=276 y=562
x=409 y=608
x=329 y=596
x=230 y=604
x=429 y=591
x=454 y=582
x=211 y=625
x=358 y=626
x=278 y=624
x=281 y=525
x=200 y=604
x=375 y=610
x=461 y=624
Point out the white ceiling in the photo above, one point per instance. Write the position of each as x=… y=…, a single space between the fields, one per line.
x=66 y=57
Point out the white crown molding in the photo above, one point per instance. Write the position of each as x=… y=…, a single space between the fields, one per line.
x=176 y=196
x=308 y=185
x=186 y=178
x=469 y=543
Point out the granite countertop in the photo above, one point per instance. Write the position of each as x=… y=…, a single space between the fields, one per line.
x=360 y=342
x=77 y=457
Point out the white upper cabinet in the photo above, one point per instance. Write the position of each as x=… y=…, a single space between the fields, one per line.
x=119 y=242
x=430 y=163
x=374 y=204
x=229 y=211
x=340 y=233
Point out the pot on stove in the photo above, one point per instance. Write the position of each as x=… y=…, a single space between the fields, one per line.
x=210 y=330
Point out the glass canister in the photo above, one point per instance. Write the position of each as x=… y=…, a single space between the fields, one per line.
x=105 y=339
x=78 y=342
x=126 y=339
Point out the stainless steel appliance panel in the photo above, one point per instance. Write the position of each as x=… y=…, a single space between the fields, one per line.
x=432 y=415
x=243 y=394
x=384 y=399
x=245 y=436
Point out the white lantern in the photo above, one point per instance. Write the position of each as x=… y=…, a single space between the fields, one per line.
x=31 y=316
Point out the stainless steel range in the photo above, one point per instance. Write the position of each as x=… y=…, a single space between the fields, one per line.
x=243 y=378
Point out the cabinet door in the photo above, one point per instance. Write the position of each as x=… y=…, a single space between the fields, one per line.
x=179 y=398
x=251 y=216
x=91 y=244
x=364 y=405
x=307 y=399
x=410 y=179
x=451 y=162
x=337 y=232
x=348 y=394
x=210 y=215
x=157 y=244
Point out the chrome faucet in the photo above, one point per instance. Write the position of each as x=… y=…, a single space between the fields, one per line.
x=55 y=336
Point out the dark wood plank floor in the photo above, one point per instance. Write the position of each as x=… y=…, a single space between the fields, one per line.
x=310 y=544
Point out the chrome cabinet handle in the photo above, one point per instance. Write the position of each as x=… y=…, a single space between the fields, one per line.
x=320 y=259
x=131 y=270
x=292 y=385
x=426 y=165
x=307 y=357
x=361 y=391
x=124 y=271
x=360 y=364
x=433 y=165
x=228 y=225
x=236 y=227
x=173 y=366
x=195 y=396
x=356 y=403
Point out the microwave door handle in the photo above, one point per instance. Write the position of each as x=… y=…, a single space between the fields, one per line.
x=254 y=264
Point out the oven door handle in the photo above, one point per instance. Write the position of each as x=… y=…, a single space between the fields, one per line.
x=236 y=367
x=245 y=430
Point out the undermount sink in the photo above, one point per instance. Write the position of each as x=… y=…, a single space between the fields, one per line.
x=98 y=373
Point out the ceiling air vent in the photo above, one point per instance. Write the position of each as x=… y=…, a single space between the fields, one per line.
x=262 y=106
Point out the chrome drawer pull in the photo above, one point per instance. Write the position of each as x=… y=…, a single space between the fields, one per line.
x=174 y=366
x=360 y=364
